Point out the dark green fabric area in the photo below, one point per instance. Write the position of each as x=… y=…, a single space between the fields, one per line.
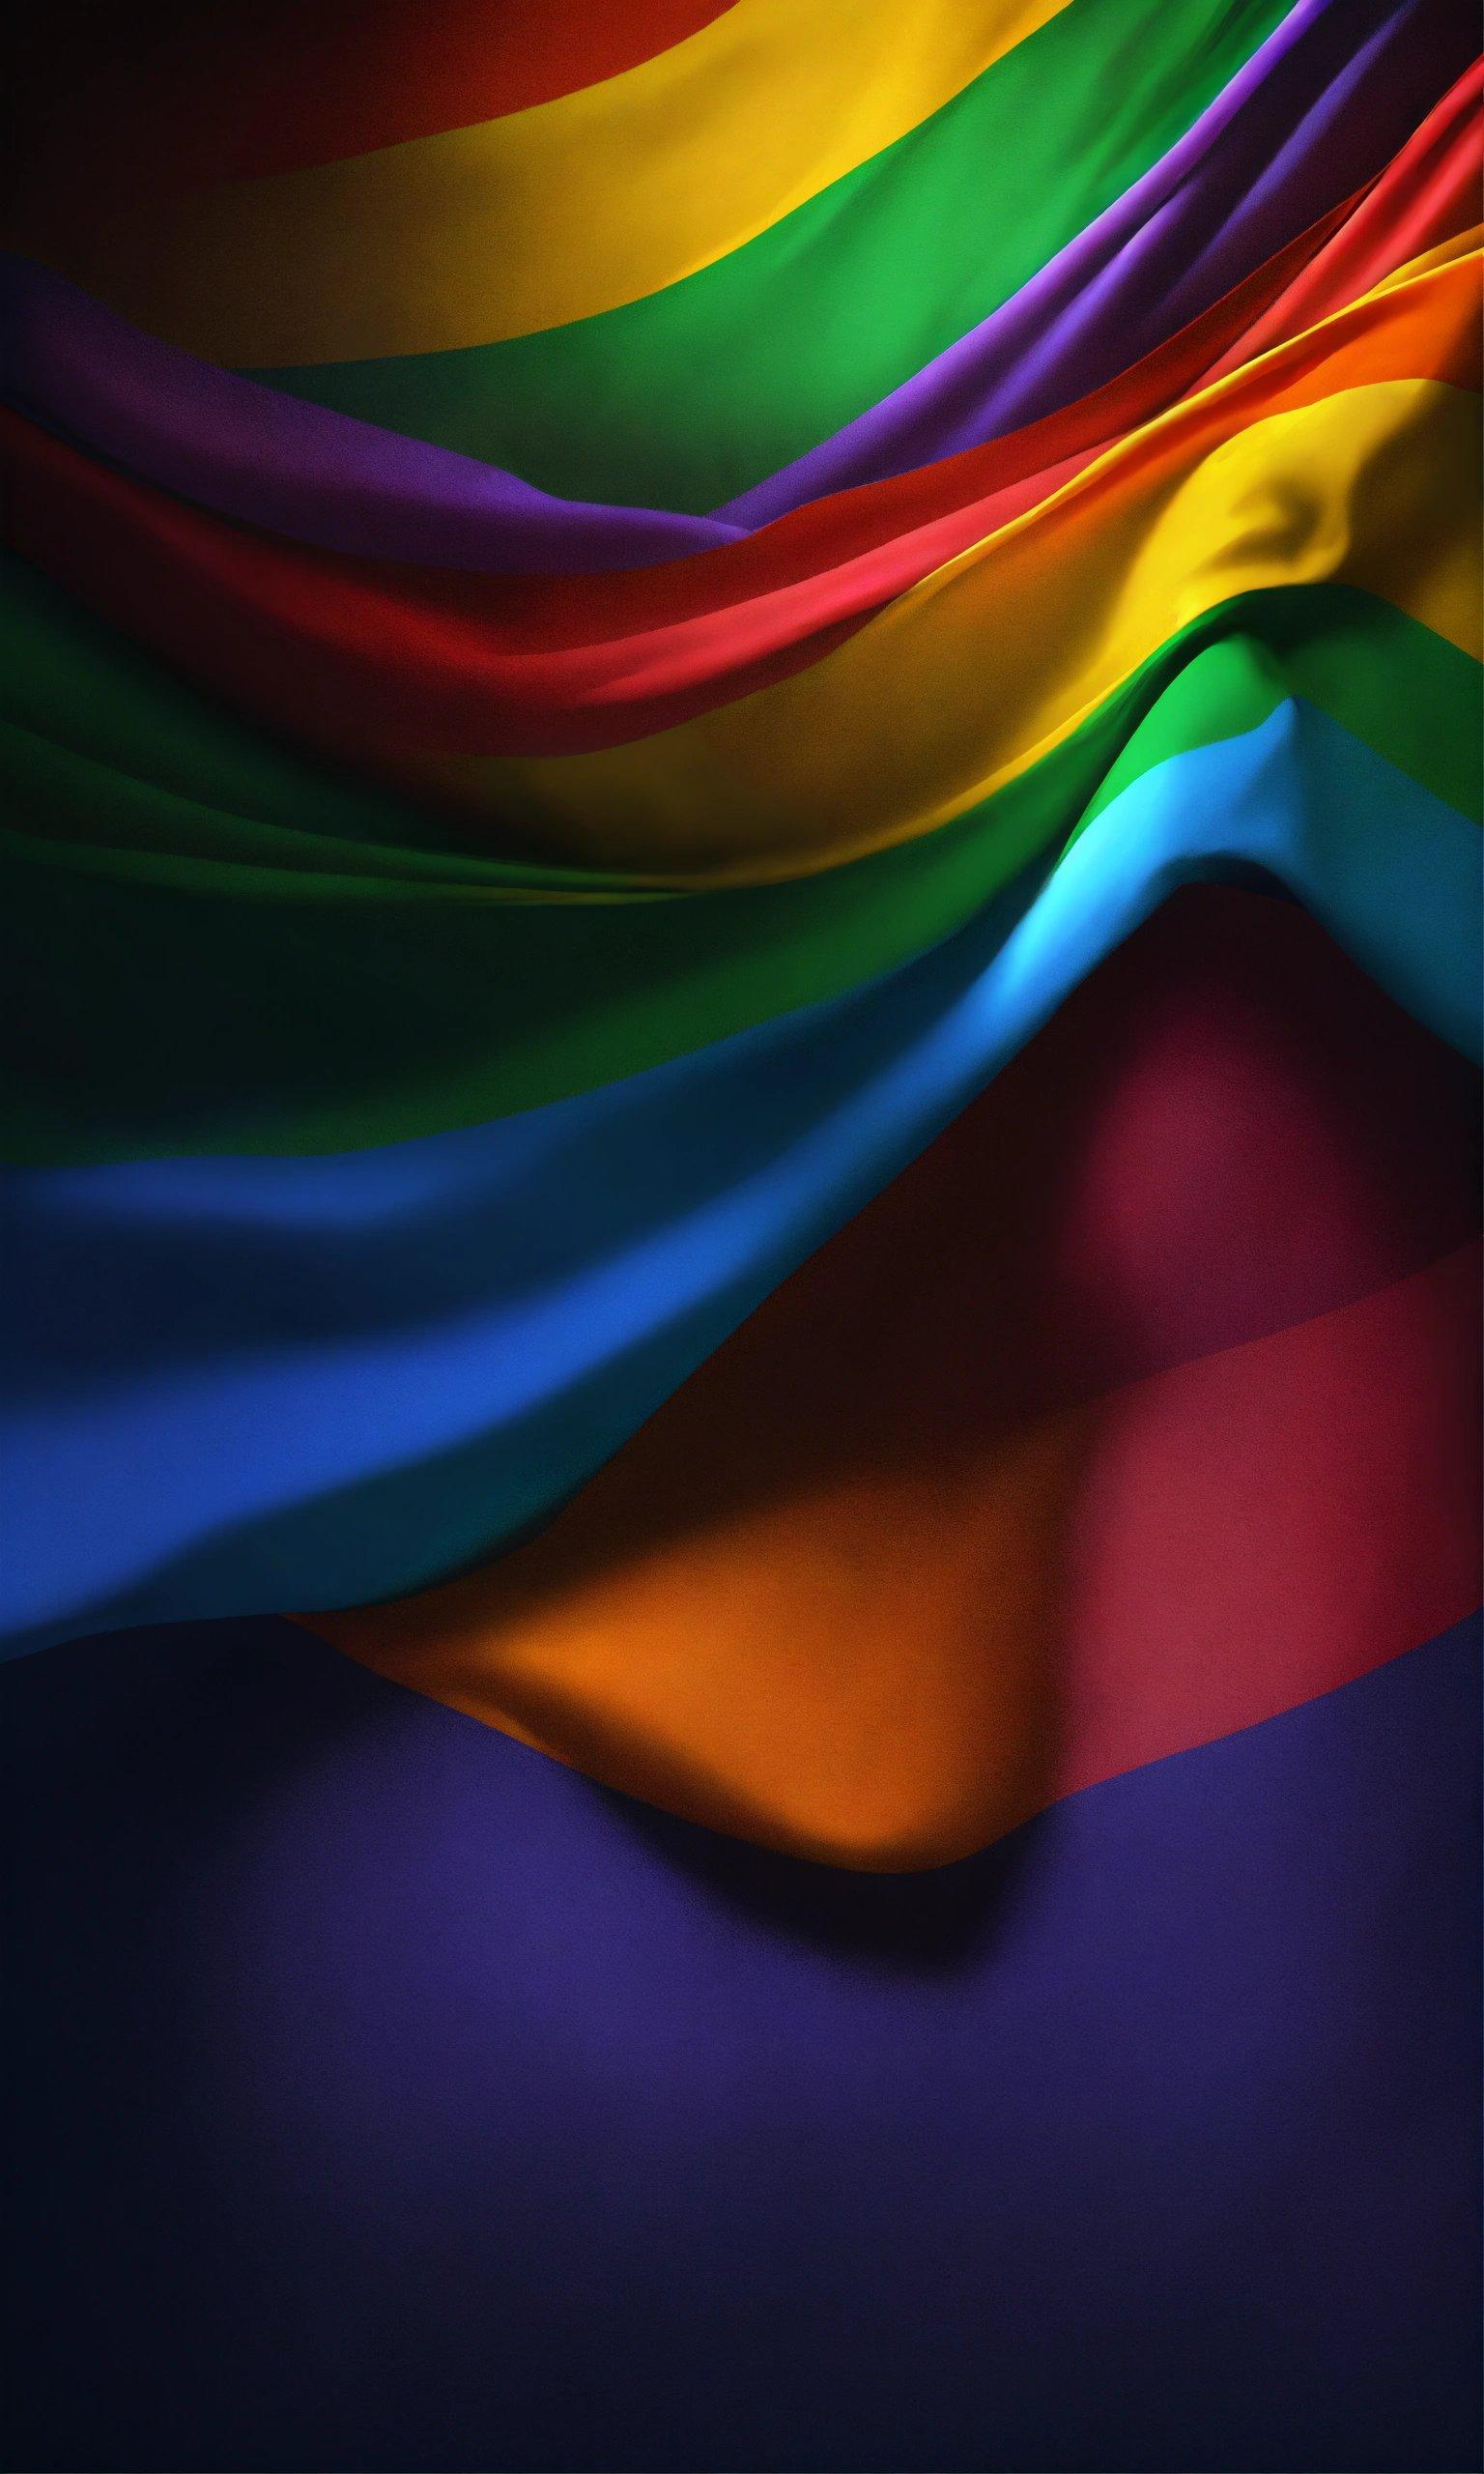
x=689 y=398
x=158 y=999
x=144 y=751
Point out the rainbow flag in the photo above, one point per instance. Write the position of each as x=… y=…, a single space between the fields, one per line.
x=742 y=891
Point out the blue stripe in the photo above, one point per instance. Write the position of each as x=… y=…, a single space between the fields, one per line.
x=245 y=1384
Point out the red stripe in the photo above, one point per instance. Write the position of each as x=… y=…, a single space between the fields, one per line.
x=390 y=663
x=1085 y=1443
x=162 y=94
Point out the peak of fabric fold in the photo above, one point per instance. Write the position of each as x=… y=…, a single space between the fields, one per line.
x=595 y=660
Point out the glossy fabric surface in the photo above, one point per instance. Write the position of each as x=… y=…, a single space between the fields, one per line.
x=739 y=1181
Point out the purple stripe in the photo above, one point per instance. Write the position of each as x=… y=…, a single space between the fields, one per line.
x=247 y=452
x=1307 y=120
x=1315 y=113
x=386 y=2095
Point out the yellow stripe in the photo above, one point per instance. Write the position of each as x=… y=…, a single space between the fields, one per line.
x=556 y=212
x=991 y=661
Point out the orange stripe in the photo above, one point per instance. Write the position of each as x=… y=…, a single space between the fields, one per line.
x=877 y=1584
x=381 y=666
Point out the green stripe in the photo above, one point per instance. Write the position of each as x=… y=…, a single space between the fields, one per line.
x=71 y=683
x=161 y=1004
x=689 y=398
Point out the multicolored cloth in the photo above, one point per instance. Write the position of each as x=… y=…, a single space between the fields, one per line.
x=742 y=908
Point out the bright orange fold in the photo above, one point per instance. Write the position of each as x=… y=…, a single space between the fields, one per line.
x=1082 y=1445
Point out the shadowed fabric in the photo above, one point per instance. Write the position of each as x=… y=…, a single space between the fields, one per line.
x=740 y=1002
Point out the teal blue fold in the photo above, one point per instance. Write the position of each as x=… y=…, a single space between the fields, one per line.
x=245 y=1384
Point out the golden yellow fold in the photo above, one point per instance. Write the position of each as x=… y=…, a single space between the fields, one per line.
x=556 y=212
x=965 y=680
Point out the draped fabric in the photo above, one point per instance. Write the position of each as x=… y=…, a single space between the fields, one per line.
x=741 y=1019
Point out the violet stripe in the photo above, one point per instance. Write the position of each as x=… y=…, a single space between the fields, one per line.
x=1304 y=124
